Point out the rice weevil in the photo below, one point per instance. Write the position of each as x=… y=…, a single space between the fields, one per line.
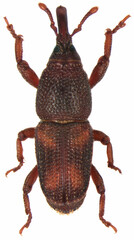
x=64 y=137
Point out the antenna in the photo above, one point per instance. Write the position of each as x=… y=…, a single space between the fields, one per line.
x=91 y=11
x=44 y=7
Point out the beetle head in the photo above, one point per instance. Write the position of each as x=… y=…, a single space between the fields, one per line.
x=64 y=49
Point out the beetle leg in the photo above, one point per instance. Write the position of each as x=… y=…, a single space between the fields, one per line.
x=103 y=62
x=22 y=136
x=105 y=140
x=98 y=181
x=30 y=180
x=28 y=74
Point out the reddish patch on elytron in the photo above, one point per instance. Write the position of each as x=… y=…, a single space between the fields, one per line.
x=52 y=181
x=73 y=178
x=80 y=137
x=76 y=177
x=46 y=138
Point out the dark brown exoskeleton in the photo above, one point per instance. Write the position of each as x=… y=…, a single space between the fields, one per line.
x=64 y=137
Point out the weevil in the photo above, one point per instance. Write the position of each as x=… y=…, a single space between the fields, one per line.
x=64 y=137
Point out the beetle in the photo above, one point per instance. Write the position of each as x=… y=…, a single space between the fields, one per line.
x=64 y=137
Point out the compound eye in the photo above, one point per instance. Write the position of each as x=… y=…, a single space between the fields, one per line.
x=57 y=49
x=72 y=48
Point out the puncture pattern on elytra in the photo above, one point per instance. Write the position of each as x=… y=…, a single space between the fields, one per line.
x=64 y=164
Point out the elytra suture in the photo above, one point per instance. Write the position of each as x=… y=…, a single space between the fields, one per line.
x=64 y=138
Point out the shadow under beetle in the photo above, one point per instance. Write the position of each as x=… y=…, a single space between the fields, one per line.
x=64 y=138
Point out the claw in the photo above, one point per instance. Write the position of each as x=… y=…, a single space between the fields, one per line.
x=121 y=24
x=27 y=224
x=8 y=172
x=14 y=169
x=108 y=224
x=11 y=30
x=114 y=167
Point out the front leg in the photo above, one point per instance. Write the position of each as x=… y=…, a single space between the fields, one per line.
x=28 y=74
x=103 y=62
x=22 y=136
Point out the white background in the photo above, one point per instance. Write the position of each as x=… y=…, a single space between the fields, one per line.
x=112 y=113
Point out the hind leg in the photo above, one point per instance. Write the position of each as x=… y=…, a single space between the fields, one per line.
x=29 y=182
x=98 y=181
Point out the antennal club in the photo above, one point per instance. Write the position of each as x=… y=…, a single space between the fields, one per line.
x=44 y=8
x=91 y=11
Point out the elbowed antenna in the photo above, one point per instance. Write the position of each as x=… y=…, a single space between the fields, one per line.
x=62 y=19
x=91 y=11
x=44 y=8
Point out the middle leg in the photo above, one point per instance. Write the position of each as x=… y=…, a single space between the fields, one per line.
x=105 y=140
x=22 y=136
